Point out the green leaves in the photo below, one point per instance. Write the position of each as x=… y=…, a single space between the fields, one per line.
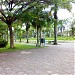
x=3 y=27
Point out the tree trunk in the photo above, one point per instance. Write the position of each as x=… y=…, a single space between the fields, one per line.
x=21 y=34
x=7 y=36
x=27 y=29
x=61 y=31
x=72 y=31
x=55 y=25
x=37 y=44
x=40 y=36
x=50 y=35
x=15 y=35
x=55 y=34
x=11 y=36
x=27 y=36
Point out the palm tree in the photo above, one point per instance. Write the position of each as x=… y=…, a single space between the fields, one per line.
x=38 y=21
x=56 y=4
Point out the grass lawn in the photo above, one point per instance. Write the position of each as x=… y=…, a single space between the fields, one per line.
x=66 y=38
x=58 y=38
x=17 y=47
x=52 y=38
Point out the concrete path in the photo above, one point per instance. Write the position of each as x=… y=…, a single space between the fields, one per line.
x=51 y=60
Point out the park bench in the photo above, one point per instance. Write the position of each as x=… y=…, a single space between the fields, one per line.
x=51 y=41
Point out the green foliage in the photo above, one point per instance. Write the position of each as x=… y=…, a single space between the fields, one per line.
x=3 y=43
x=26 y=17
x=3 y=27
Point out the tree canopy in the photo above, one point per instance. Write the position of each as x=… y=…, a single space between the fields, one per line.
x=11 y=10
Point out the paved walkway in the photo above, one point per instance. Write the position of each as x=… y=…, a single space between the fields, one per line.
x=51 y=60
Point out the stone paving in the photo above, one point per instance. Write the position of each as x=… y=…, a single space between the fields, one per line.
x=51 y=60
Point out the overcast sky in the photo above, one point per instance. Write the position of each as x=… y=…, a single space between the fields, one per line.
x=64 y=14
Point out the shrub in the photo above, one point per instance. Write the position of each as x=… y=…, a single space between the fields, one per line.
x=3 y=43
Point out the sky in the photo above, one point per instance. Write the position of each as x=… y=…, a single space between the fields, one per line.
x=64 y=13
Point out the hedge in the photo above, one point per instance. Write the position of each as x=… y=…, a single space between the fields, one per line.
x=3 y=43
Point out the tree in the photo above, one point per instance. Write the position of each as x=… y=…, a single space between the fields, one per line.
x=38 y=20
x=9 y=13
x=20 y=29
x=27 y=18
x=56 y=5
x=3 y=31
x=73 y=28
